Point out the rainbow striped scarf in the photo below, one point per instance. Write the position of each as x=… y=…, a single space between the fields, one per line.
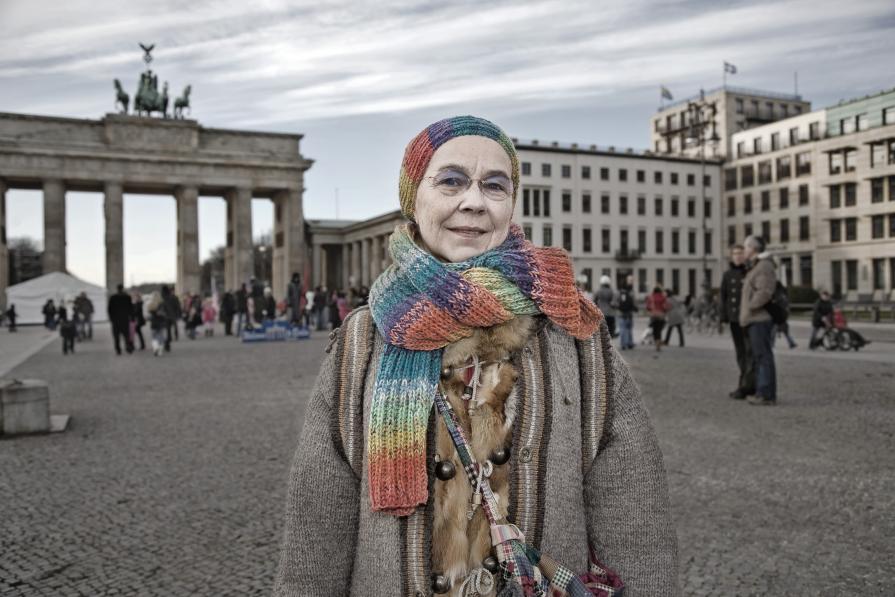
x=420 y=305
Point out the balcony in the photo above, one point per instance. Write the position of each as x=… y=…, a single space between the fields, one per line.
x=627 y=255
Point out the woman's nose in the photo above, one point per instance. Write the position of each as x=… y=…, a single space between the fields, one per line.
x=473 y=198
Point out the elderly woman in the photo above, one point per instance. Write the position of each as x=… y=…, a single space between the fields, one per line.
x=472 y=431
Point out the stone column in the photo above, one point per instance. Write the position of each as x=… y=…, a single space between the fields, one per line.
x=343 y=267
x=54 y=226
x=365 y=262
x=317 y=265
x=188 y=270
x=376 y=261
x=355 y=263
x=238 y=266
x=289 y=240
x=112 y=208
x=4 y=251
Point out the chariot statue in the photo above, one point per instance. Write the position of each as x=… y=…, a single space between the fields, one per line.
x=148 y=99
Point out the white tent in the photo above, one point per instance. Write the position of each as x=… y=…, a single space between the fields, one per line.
x=29 y=297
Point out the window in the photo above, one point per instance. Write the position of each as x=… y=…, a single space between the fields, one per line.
x=851 y=194
x=731 y=206
x=641 y=205
x=707 y=180
x=806 y=270
x=623 y=174
x=877 y=154
x=604 y=173
x=861 y=122
x=851 y=229
x=784 y=230
x=739 y=105
x=803 y=194
x=536 y=202
x=794 y=135
x=545 y=170
x=657 y=177
x=892 y=229
x=851 y=155
x=675 y=242
x=892 y=188
x=606 y=240
x=526 y=230
x=730 y=179
x=803 y=163
x=741 y=149
x=879 y=273
x=775 y=141
x=658 y=206
x=707 y=208
x=765 y=175
x=674 y=178
x=766 y=231
x=691 y=179
x=878 y=227
x=747 y=174
x=526 y=202
x=784 y=169
x=765 y=201
x=691 y=207
x=675 y=205
x=756 y=145
x=889 y=118
x=892 y=152
x=747 y=229
x=623 y=240
x=835 y=162
x=747 y=203
x=641 y=176
x=835 y=196
x=660 y=241
x=835 y=231
x=566 y=201
x=585 y=172
x=707 y=242
x=641 y=241
x=604 y=204
x=676 y=280
x=731 y=235
x=547 y=233
x=784 y=198
x=567 y=238
x=546 y=203
x=641 y=280
x=851 y=274
x=586 y=240
x=623 y=205
x=588 y=274
x=660 y=276
x=847 y=125
x=565 y=171
x=691 y=242
x=585 y=203
x=526 y=168
x=804 y=228
x=836 y=278
x=814 y=131
x=877 y=190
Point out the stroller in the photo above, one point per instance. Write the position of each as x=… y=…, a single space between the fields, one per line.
x=840 y=336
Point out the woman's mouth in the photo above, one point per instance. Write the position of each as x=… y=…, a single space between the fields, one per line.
x=467 y=231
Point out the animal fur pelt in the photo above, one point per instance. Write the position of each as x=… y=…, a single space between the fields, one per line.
x=458 y=544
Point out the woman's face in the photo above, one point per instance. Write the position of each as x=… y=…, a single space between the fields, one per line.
x=464 y=203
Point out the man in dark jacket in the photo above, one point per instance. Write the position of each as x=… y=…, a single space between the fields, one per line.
x=242 y=308
x=821 y=318
x=228 y=308
x=627 y=306
x=120 y=310
x=172 y=314
x=294 y=297
x=731 y=295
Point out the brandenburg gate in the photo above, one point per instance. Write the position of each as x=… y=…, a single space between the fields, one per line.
x=131 y=154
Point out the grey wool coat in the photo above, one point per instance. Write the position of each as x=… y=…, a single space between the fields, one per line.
x=585 y=469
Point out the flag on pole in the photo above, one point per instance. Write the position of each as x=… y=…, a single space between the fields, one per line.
x=729 y=68
x=665 y=93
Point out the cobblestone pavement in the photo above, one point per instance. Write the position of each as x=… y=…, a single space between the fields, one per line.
x=172 y=475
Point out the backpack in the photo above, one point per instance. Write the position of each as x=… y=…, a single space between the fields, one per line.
x=778 y=306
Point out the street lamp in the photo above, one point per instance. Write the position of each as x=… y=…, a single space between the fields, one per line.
x=696 y=133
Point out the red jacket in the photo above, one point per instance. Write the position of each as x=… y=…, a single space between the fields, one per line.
x=657 y=305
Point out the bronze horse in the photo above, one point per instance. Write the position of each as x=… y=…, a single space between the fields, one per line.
x=121 y=98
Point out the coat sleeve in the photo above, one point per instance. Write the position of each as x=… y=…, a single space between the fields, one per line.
x=322 y=504
x=724 y=298
x=626 y=494
x=764 y=283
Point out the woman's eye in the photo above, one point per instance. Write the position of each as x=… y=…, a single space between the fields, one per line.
x=451 y=181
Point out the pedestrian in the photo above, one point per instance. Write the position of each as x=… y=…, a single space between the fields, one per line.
x=821 y=319
x=676 y=317
x=320 y=300
x=258 y=302
x=120 y=310
x=68 y=331
x=606 y=300
x=294 y=299
x=758 y=289
x=782 y=329
x=627 y=306
x=309 y=307
x=335 y=320
x=380 y=504
x=657 y=307
x=209 y=314
x=242 y=308
x=138 y=318
x=731 y=293
x=49 y=312
x=228 y=308
x=193 y=318
x=172 y=314
x=158 y=323
x=343 y=306
x=84 y=309
x=11 y=316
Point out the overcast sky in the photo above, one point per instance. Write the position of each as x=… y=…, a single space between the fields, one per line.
x=360 y=79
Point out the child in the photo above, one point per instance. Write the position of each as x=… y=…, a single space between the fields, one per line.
x=209 y=314
x=68 y=330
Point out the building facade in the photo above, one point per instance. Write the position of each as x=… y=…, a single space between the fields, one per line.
x=820 y=188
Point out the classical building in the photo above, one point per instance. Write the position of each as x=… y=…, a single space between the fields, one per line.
x=820 y=187
x=130 y=154
x=727 y=110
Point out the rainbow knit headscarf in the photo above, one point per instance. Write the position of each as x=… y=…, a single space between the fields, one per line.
x=420 y=305
x=421 y=148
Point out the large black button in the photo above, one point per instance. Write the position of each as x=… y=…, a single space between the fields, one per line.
x=491 y=564
x=445 y=470
x=500 y=455
x=440 y=583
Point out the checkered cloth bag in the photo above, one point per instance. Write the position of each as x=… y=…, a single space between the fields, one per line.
x=526 y=572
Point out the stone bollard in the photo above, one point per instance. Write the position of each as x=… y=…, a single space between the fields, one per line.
x=24 y=406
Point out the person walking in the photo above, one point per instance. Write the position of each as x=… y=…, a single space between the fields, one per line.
x=84 y=310
x=138 y=318
x=158 y=323
x=758 y=289
x=657 y=307
x=172 y=314
x=11 y=316
x=675 y=319
x=242 y=308
x=120 y=310
x=258 y=302
x=821 y=319
x=49 y=313
x=294 y=299
x=606 y=300
x=731 y=292
x=320 y=300
x=627 y=306
x=335 y=320
x=228 y=308
x=68 y=331
x=782 y=329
